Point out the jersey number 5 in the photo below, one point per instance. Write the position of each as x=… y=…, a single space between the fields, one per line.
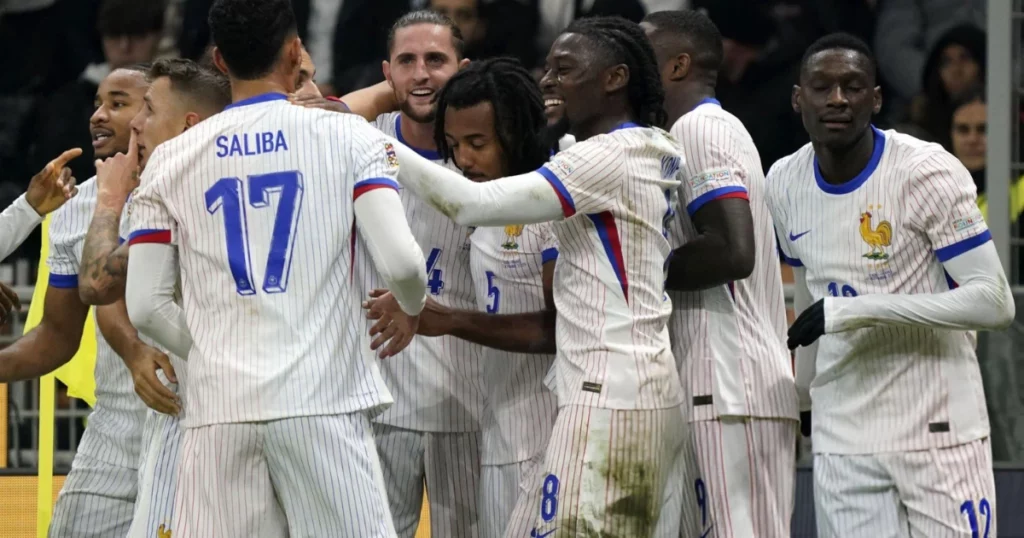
x=226 y=196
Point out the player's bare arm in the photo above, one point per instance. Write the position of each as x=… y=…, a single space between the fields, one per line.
x=142 y=360
x=367 y=102
x=722 y=253
x=104 y=261
x=532 y=332
x=50 y=344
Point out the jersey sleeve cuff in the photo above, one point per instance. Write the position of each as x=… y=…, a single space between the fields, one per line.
x=63 y=281
x=792 y=262
x=549 y=254
x=568 y=205
x=716 y=194
x=373 y=183
x=149 y=236
x=949 y=252
x=337 y=100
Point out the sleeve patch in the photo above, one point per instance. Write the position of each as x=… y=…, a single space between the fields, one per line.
x=560 y=166
x=723 y=174
x=970 y=221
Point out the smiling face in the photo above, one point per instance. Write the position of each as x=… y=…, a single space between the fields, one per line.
x=572 y=85
x=118 y=100
x=474 y=141
x=837 y=97
x=423 y=58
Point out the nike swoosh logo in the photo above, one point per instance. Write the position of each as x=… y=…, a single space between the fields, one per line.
x=534 y=534
x=705 y=535
x=797 y=236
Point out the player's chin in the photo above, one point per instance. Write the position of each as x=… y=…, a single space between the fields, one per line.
x=419 y=113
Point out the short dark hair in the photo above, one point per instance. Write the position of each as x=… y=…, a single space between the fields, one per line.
x=974 y=94
x=426 y=16
x=702 y=36
x=841 y=41
x=625 y=42
x=250 y=34
x=130 y=17
x=518 y=109
x=143 y=68
x=208 y=88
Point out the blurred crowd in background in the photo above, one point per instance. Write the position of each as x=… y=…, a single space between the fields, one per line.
x=931 y=56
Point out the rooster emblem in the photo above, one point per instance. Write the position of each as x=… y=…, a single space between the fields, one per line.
x=876 y=237
x=163 y=532
x=511 y=233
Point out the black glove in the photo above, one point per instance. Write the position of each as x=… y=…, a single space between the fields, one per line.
x=808 y=327
x=805 y=423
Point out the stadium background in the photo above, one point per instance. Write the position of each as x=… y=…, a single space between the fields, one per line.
x=52 y=54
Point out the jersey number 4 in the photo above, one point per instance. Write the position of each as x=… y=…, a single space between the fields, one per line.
x=434 y=280
x=226 y=196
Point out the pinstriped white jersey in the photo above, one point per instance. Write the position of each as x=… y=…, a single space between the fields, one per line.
x=508 y=269
x=436 y=382
x=114 y=432
x=259 y=201
x=730 y=340
x=617 y=192
x=887 y=230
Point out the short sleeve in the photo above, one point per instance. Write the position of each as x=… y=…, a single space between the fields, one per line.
x=548 y=242
x=150 y=219
x=586 y=177
x=125 y=229
x=710 y=171
x=62 y=259
x=943 y=205
x=375 y=162
x=779 y=209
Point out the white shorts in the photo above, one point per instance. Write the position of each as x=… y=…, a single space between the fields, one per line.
x=449 y=464
x=299 y=477
x=158 y=471
x=501 y=487
x=748 y=466
x=97 y=500
x=616 y=472
x=923 y=493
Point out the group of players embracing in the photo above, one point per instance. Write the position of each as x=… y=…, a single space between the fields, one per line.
x=578 y=316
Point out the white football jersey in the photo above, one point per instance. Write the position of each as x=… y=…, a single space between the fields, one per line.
x=730 y=340
x=887 y=230
x=508 y=269
x=259 y=201
x=437 y=382
x=114 y=432
x=617 y=191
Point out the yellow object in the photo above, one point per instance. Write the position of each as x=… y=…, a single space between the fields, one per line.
x=17 y=512
x=1016 y=201
x=876 y=238
x=79 y=376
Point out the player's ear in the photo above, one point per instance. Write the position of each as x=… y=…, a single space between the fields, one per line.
x=463 y=63
x=877 y=96
x=218 y=60
x=794 y=99
x=680 y=67
x=616 y=78
x=191 y=119
x=386 y=68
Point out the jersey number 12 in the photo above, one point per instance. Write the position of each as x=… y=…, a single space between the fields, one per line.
x=226 y=196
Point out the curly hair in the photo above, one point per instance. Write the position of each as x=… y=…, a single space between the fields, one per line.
x=518 y=109
x=625 y=42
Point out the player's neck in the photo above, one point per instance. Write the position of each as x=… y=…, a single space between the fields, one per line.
x=683 y=100
x=418 y=135
x=839 y=166
x=244 y=89
x=602 y=125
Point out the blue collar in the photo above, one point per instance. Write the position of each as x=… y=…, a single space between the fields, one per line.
x=256 y=99
x=624 y=125
x=428 y=154
x=708 y=101
x=859 y=179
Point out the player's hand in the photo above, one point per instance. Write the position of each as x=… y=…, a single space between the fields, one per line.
x=805 y=423
x=118 y=176
x=808 y=327
x=432 y=319
x=144 y=363
x=53 y=185
x=316 y=101
x=394 y=327
x=9 y=302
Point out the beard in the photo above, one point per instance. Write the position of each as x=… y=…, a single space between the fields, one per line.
x=417 y=116
x=554 y=132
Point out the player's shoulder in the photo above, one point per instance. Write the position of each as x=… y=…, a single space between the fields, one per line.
x=387 y=123
x=913 y=153
x=73 y=218
x=796 y=164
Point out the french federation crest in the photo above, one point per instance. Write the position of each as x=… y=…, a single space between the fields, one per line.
x=877 y=237
x=512 y=233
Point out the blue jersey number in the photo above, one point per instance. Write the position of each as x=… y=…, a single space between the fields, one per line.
x=702 y=501
x=493 y=293
x=434 y=280
x=549 y=498
x=967 y=509
x=226 y=196
x=847 y=290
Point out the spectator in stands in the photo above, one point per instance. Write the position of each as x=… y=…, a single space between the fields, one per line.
x=970 y=144
x=493 y=28
x=905 y=33
x=955 y=65
x=130 y=31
